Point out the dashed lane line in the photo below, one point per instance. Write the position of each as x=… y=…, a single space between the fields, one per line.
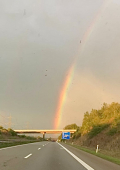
x=28 y=156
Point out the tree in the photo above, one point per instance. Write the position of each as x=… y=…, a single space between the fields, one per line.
x=12 y=132
x=71 y=126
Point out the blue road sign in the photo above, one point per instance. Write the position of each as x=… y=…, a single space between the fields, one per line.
x=66 y=135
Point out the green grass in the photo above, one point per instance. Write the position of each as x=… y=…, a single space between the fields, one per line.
x=106 y=157
x=112 y=131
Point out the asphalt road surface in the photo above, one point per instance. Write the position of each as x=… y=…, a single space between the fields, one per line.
x=50 y=156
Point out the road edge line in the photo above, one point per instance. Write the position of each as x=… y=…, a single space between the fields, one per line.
x=17 y=146
x=78 y=159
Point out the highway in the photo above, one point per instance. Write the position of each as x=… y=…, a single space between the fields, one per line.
x=50 y=156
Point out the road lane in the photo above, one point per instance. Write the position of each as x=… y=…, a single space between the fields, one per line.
x=51 y=156
x=77 y=159
x=12 y=156
x=95 y=162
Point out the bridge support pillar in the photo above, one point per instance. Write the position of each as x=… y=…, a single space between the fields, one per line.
x=43 y=136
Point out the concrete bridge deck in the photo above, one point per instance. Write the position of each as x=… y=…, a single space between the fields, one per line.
x=46 y=131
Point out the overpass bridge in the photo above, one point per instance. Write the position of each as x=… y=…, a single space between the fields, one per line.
x=46 y=131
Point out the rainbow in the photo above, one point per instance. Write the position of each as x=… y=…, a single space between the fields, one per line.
x=68 y=78
x=62 y=96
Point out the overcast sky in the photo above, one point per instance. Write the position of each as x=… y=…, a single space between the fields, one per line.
x=39 y=41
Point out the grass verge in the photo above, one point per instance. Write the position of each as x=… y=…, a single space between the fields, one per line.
x=106 y=157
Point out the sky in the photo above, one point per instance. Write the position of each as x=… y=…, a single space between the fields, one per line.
x=40 y=41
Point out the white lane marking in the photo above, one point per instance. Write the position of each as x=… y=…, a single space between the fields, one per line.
x=39 y=148
x=18 y=146
x=28 y=156
x=78 y=159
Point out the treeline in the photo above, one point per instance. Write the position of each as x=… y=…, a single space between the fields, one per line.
x=11 y=133
x=98 y=120
x=8 y=131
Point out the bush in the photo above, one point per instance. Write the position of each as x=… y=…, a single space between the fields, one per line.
x=12 y=132
x=4 y=131
x=1 y=127
x=112 y=131
x=76 y=135
x=22 y=136
x=97 y=129
x=30 y=138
